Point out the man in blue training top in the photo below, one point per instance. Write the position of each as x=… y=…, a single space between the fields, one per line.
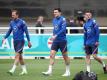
x=59 y=42
x=18 y=27
x=91 y=40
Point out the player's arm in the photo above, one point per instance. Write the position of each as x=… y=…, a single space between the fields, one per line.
x=85 y=36
x=97 y=34
x=7 y=34
x=27 y=34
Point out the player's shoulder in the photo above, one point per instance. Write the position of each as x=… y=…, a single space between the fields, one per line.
x=93 y=21
x=63 y=18
x=22 y=21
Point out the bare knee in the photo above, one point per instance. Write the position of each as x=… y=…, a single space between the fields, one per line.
x=94 y=56
x=17 y=56
x=65 y=55
x=66 y=58
x=87 y=56
x=52 y=54
x=21 y=57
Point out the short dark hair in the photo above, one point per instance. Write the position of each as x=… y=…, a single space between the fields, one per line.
x=58 y=9
x=14 y=10
x=88 y=11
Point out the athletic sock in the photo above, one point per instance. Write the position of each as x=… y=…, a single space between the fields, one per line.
x=13 y=68
x=88 y=68
x=104 y=65
x=67 y=68
x=24 y=68
x=50 y=68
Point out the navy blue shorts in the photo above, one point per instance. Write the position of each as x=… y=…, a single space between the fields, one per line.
x=18 y=46
x=59 y=45
x=91 y=49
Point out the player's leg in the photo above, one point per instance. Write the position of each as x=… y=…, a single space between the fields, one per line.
x=63 y=48
x=22 y=63
x=88 y=62
x=54 y=49
x=101 y=62
x=21 y=60
x=99 y=59
x=67 y=63
x=52 y=58
x=88 y=52
x=16 y=61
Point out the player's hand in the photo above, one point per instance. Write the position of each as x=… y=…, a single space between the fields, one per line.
x=3 y=41
x=97 y=43
x=29 y=44
x=53 y=37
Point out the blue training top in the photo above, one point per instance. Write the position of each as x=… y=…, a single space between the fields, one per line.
x=18 y=27
x=91 y=32
x=59 y=30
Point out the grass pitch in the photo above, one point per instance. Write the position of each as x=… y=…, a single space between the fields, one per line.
x=35 y=68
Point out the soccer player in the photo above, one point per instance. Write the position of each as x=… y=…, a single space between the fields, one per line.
x=18 y=27
x=91 y=40
x=59 y=42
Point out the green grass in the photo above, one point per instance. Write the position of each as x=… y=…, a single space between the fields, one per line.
x=35 y=67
